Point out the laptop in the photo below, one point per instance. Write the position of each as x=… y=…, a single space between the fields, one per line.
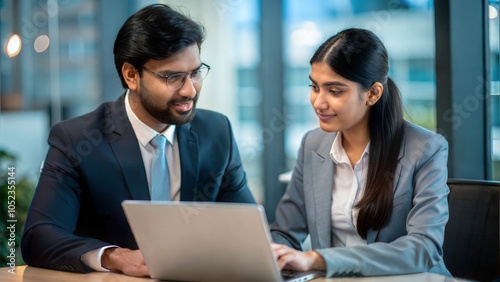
x=200 y=241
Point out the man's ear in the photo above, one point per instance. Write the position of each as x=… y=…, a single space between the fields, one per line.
x=375 y=93
x=130 y=75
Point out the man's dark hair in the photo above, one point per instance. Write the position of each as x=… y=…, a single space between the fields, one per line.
x=155 y=32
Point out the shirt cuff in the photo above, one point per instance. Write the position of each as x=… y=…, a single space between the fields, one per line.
x=93 y=258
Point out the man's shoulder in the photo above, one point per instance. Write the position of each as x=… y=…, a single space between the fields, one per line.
x=208 y=118
x=204 y=113
x=99 y=117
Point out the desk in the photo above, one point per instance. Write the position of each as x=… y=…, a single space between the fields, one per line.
x=28 y=274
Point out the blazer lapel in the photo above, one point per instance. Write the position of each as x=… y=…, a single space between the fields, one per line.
x=125 y=147
x=188 y=151
x=322 y=166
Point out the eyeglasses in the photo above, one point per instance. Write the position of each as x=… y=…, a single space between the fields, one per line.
x=176 y=80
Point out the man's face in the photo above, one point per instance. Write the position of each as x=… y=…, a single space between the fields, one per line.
x=157 y=104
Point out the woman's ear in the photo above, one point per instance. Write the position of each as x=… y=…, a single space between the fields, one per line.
x=375 y=93
x=130 y=75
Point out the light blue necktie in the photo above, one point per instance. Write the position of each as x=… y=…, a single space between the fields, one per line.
x=160 y=177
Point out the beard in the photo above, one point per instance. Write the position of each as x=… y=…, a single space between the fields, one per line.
x=167 y=114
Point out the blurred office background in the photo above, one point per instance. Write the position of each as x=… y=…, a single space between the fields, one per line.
x=57 y=63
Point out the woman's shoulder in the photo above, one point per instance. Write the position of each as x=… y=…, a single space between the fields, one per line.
x=417 y=132
x=418 y=138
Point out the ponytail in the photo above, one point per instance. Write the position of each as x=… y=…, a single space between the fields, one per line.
x=386 y=136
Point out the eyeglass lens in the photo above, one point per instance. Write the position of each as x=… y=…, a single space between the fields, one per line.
x=177 y=80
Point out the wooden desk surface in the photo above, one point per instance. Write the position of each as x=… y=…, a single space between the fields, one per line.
x=28 y=274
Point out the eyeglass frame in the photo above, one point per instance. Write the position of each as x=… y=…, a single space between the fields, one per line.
x=166 y=77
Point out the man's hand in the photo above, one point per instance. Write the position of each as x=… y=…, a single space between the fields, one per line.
x=124 y=260
x=292 y=259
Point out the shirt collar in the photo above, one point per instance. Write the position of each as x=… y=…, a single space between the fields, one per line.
x=338 y=154
x=143 y=132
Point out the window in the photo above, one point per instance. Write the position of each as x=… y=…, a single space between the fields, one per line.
x=494 y=88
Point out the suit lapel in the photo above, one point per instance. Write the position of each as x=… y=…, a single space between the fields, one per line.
x=322 y=166
x=188 y=151
x=125 y=147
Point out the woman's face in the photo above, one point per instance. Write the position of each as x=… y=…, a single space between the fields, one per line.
x=340 y=104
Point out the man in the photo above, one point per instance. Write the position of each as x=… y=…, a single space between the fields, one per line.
x=96 y=161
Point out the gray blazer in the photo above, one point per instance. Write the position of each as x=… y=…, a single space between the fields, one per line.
x=412 y=239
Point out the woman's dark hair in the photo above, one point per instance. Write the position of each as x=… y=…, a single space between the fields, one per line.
x=359 y=55
x=155 y=32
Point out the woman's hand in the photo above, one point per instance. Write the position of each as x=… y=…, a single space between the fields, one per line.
x=125 y=261
x=292 y=259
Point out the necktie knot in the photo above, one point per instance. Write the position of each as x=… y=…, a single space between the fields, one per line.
x=158 y=142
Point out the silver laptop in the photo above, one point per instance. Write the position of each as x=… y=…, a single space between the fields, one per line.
x=194 y=241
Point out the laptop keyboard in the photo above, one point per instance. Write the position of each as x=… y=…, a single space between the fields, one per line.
x=295 y=276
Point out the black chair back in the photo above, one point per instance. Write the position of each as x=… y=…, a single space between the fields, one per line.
x=471 y=246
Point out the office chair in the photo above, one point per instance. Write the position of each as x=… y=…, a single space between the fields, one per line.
x=471 y=247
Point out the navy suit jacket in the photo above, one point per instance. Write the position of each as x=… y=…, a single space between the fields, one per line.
x=94 y=163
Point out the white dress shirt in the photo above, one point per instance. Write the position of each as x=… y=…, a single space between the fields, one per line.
x=144 y=134
x=348 y=188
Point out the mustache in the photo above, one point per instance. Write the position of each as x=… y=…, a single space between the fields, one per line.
x=183 y=100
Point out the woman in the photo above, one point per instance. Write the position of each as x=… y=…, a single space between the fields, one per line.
x=368 y=187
